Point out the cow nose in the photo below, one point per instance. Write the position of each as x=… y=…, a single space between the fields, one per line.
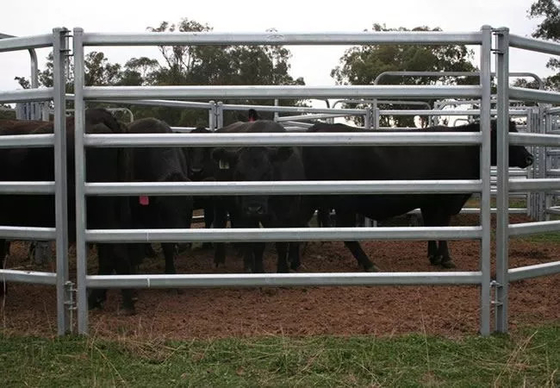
x=255 y=210
x=529 y=160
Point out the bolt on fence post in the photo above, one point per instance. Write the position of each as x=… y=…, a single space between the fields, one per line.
x=502 y=199
x=60 y=50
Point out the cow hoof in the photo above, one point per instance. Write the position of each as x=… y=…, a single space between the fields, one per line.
x=181 y=248
x=373 y=268
x=448 y=264
x=175 y=291
x=126 y=311
x=435 y=259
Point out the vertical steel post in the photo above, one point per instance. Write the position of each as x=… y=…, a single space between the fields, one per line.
x=485 y=83
x=530 y=173
x=35 y=107
x=502 y=234
x=212 y=116
x=541 y=160
x=220 y=114
x=276 y=115
x=60 y=50
x=79 y=119
x=547 y=165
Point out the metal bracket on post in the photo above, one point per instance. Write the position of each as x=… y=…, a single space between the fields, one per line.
x=70 y=303
x=494 y=285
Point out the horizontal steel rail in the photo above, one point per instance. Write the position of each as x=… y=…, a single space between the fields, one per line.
x=284 y=280
x=34 y=277
x=537 y=139
x=527 y=228
x=289 y=109
x=534 y=44
x=442 y=112
x=552 y=210
x=277 y=91
x=285 y=187
x=166 y=103
x=476 y=210
x=534 y=95
x=26 y=95
x=533 y=271
x=542 y=184
x=283 y=234
x=26 y=42
x=26 y=187
x=316 y=116
x=441 y=74
x=280 y=139
x=554 y=172
x=554 y=110
x=27 y=141
x=277 y=38
x=27 y=233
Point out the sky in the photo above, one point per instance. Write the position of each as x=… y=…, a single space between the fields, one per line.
x=314 y=64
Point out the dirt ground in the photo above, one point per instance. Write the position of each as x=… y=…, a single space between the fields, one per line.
x=388 y=310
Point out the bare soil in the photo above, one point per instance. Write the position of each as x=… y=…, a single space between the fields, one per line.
x=388 y=310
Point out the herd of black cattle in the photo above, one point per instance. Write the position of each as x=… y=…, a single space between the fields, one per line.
x=174 y=164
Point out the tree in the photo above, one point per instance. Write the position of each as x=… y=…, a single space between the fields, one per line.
x=549 y=29
x=360 y=65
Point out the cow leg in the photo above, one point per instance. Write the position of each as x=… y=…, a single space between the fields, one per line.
x=248 y=258
x=258 y=251
x=4 y=252
x=282 y=262
x=220 y=220
x=443 y=252
x=293 y=255
x=438 y=253
x=169 y=254
x=433 y=254
x=123 y=266
x=98 y=296
x=346 y=218
x=208 y=219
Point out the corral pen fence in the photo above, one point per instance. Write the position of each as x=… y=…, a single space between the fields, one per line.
x=482 y=232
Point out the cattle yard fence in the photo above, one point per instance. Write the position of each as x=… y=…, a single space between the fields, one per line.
x=59 y=41
x=493 y=292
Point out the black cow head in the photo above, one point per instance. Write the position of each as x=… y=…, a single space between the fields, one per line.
x=252 y=164
x=198 y=159
x=518 y=155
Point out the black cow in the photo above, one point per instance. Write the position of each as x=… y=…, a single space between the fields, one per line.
x=201 y=167
x=400 y=163
x=159 y=164
x=259 y=164
x=102 y=165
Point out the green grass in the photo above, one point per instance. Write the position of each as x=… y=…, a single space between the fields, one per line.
x=529 y=358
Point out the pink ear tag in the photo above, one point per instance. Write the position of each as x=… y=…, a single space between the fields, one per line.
x=144 y=200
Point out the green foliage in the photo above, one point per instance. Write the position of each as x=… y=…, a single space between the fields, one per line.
x=549 y=29
x=360 y=65
x=529 y=358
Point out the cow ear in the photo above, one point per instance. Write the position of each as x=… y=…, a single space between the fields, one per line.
x=281 y=154
x=224 y=158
